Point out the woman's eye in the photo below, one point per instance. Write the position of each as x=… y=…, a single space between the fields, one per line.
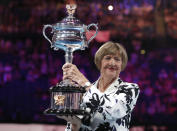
x=117 y=59
x=107 y=57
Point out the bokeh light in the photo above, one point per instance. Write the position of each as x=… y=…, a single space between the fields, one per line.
x=110 y=7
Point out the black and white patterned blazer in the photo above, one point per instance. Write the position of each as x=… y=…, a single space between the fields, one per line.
x=111 y=110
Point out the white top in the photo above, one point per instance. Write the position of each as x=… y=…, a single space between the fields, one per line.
x=110 y=110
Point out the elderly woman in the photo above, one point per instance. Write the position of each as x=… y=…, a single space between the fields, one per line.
x=110 y=100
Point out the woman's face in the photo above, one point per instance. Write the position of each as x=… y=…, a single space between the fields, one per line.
x=111 y=66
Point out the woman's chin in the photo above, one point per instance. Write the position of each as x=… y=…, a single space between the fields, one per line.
x=111 y=75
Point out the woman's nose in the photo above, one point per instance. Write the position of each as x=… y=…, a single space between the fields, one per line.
x=112 y=62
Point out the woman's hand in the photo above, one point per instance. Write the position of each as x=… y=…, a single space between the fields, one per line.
x=75 y=121
x=70 y=71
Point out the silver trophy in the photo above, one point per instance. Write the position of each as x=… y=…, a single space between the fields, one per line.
x=68 y=35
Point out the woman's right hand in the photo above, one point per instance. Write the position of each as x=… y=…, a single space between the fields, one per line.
x=70 y=71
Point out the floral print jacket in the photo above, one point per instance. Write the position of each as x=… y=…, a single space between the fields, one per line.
x=111 y=110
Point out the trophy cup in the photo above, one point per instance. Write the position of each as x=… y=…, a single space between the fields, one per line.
x=68 y=35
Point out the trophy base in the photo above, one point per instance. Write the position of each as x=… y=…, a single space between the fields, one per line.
x=65 y=112
x=66 y=98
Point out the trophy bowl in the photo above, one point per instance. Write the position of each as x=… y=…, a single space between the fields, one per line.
x=70 y=32
x=68 y=35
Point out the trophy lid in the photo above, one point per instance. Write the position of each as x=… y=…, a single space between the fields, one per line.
x=70 y=20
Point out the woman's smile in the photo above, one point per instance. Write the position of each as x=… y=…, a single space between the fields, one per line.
x=111 y=68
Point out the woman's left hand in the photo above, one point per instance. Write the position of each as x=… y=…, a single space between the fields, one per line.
x=70 y=71
x=75 y=121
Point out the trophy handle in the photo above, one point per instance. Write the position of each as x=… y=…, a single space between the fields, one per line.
x=43 y=31
x=96 y=28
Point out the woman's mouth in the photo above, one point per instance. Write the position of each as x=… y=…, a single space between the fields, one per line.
x=112 y=69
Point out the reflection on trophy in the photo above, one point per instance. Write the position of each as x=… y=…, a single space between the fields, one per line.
x=68 y=35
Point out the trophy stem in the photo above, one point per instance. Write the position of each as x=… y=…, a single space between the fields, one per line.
x=69 y=55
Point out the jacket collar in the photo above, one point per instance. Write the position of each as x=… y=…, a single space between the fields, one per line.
x=113 y=87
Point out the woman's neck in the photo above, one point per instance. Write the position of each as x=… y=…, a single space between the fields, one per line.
x=104 y=83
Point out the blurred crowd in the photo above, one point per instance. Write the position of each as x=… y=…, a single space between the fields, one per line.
x=135 y=18
x=28 y=67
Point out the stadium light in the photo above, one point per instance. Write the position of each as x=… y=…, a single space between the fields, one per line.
x=110 y=7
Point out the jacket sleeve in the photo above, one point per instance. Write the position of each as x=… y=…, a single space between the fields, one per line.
x=85 y=128
x=121 y=103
